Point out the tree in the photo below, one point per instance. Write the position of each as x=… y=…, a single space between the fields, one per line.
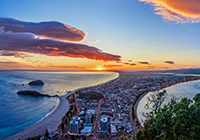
x=85 y=109
x=73 y=98
x=155 y=100
x=46 y=134
x=62 y=127
x=66 y=120
x=174 y=121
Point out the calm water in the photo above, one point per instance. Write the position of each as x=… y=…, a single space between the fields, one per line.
x=188 y=89
x=18 y=112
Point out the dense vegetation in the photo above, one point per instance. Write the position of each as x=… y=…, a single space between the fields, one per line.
x=174 y=121
x=90 y=95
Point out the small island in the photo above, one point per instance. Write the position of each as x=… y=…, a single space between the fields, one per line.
x=36 y=83
x=33 y=93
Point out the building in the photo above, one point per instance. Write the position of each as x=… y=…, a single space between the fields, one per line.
x=104 y=126
x=78 y=119
x=92 y=111
x=113 y=130
x=73 y=126
x=104 y=123
x=87 y=130
x=88 y=118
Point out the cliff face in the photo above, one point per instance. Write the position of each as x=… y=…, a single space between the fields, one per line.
x=33 y=93
x=36 y=83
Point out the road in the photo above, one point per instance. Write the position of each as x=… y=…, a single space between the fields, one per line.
x=132 y=121
x=97 y=121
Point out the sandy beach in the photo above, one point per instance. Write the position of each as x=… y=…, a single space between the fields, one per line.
x=51 y=122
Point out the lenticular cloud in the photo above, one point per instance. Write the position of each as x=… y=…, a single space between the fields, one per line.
x=46 y=38
x=180 y=11
x=51 y=30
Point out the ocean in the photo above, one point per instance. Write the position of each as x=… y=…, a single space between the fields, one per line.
x=181 y=90
x=18 y=112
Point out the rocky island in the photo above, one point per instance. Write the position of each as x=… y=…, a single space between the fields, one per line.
x=33 y=93
x=36 y=83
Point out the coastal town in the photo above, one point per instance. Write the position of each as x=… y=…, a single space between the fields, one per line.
x=108 y=111
x=99 y=70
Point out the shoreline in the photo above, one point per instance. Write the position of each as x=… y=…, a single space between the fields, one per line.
x=74 y=91
x=53 y=119
x=135 y=107
x=58 y=103
x=144 y=94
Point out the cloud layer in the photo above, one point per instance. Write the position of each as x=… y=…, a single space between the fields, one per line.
x=26 y=42
x=169 y=62
x=180 y=11
x=14 y=65
x=66 y=67
x=50 y=30
x=46 y=38
x=146 y=63
x=15 y=54
x=133 y=64
x=111 y=66
x=93 y=41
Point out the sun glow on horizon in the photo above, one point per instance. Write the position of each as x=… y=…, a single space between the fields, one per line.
x=99 y=68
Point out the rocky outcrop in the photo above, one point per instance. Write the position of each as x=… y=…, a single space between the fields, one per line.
x=36 y=83
x=33 y=93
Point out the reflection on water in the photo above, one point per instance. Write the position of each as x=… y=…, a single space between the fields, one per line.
x=18 y=112
x=187 y=89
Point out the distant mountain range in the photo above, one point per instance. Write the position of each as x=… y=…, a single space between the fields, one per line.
x=179 y=71
x=184 y=71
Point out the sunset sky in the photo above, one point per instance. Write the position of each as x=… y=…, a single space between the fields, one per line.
x=99 y=34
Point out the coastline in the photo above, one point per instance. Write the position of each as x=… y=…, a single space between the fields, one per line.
x=135 y=107
x=53 y=119
x=93 y=85
x=144 y=94
x=58 y=103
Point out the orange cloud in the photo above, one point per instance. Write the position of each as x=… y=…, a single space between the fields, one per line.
x=9 y=65
x=66 y=67
x=26 y=42
x=47 y=38
x=93 y=41
x=180 y=11
x=111 y=66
